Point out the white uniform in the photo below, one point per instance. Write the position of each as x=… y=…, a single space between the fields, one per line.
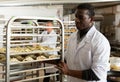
x=92 y=52
x=44 y=42
x=47 y=39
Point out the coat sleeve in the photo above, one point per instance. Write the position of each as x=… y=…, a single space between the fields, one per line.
x=101 y=54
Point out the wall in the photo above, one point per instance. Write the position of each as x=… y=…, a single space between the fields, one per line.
x=46 y=11
x=115 y=10
x=111 y=21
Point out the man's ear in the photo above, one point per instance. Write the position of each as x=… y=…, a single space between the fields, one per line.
x=92 y=18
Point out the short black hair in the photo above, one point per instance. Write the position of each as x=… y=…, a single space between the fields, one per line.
x=44 y=20
x=88 y=7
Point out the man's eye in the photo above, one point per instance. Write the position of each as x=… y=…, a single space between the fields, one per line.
x=80 y=17
x=75 y=15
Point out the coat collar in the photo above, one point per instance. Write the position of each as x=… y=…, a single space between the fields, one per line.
x=87 y=37
x=90 y=34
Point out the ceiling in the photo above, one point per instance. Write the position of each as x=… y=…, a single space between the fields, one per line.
x=68 y=5
x=51 y=2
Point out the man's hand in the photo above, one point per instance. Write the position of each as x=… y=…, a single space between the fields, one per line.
x=63 y=67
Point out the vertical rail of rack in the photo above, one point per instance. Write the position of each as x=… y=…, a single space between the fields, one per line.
x=8 y=34
x=8 y=40
x=62 y=26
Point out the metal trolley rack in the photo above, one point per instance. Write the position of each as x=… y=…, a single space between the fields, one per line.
x=18 y=45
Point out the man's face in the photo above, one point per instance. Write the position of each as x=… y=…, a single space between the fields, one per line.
x=48 y=24
x=82 y=19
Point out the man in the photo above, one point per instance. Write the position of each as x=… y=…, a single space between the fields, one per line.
x=88 y=51
x=49 y=32
x=45 y=41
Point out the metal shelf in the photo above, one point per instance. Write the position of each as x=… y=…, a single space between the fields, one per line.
x=34 y=61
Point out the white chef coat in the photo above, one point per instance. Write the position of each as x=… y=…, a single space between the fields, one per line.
x=92 y=52
x=44 y=42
